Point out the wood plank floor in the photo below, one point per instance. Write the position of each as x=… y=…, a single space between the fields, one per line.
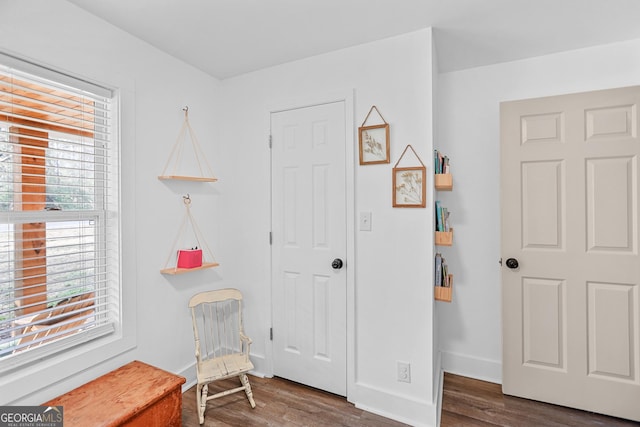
x=279 y=403
x=466 y=402
x=473 y=403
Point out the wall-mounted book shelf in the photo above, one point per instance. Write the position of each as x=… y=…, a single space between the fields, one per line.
x=443 y=181
x=443 y=235
x=444 y=238
x=444 y=293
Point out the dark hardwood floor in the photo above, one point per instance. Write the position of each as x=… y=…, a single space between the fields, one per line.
x=474 y=403
x=466 y=402
x=278 y=403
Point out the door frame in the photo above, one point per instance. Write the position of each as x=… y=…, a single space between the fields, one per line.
x=310 y=100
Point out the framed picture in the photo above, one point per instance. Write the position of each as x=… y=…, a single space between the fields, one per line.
x=374 y=144
x=409 y=187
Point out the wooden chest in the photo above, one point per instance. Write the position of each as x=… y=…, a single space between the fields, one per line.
x=135 y=395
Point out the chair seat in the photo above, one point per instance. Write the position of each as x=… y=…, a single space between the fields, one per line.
x=223 y=367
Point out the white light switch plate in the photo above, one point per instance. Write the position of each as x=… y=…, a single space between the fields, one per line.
x=365 y=221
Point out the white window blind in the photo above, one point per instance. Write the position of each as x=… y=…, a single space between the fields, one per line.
x=58 y=212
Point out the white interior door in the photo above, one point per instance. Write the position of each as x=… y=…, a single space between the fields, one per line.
x=571 y=325
x=309 y=233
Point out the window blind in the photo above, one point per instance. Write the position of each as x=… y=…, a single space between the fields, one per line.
x=58 y=211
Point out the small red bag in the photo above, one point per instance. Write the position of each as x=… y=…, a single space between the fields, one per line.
x=189 y=258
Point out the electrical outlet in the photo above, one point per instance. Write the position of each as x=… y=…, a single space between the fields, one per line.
x=404 y=372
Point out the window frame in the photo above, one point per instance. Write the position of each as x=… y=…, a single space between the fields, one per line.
x=90 y=347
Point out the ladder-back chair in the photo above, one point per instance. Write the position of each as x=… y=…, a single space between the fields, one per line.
x=222 y=348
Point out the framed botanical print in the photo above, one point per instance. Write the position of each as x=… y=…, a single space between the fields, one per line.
x=409 y=183
x=409 y=187
x=374 y=144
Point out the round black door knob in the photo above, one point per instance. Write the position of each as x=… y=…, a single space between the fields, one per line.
x=512 y=263
x=337 y=264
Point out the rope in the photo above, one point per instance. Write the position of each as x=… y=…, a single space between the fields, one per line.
x=414 y=152
x=368 y=114
x=196 y=231
x=176 y=150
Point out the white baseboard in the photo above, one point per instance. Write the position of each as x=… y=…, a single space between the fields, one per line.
x=438 y=376
x=405 y=409
x=189 y=373
x=473 y=367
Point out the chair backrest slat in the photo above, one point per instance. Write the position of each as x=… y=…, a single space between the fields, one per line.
x=217 y=322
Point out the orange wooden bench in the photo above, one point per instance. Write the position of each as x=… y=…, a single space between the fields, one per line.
x=135 y=395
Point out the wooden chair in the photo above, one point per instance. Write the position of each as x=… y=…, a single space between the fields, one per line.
x=222 y=348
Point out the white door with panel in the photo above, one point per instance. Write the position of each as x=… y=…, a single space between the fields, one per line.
x=571 y=325
x=309 y=243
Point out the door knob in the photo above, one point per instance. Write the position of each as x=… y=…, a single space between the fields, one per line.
x=512 y=263
x=337 y=264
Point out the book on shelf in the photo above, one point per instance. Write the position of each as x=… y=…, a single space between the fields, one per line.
x=438 y=270
x=442 y=217
x=440 y=163
x=442 y=277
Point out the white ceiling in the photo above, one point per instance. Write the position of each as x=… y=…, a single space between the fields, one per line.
x=226 y=38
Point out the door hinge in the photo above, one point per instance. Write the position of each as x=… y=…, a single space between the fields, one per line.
x=271 y=334
x=270 y=141
x=271 y=237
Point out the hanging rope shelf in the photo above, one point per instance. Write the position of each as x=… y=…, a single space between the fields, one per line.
x=175 y=158
x=199 y=257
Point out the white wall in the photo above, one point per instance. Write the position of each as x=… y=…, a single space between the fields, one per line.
x=155 y=88
x=392 y=304
x=393 y=295
x=469 y=131
x=392 y=298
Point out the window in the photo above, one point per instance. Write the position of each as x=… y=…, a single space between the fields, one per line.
x=59 y=260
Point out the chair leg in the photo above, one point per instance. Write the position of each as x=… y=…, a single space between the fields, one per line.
x=201 y=400
x=247 y=389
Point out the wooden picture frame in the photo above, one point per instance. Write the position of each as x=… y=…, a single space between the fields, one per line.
x=410 y=187
x=374 y=144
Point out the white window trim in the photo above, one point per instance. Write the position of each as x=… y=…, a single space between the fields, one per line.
x=33 y=383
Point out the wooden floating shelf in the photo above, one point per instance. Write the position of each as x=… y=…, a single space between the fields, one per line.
x=443 y=293
x=188 y=178
x=443 y=181
x=173 y=270
x=444 y=238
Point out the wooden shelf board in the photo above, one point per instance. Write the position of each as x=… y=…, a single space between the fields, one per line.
x=444 y=238
x=444 y=293
x=189 y=178
x=173 y=270
x=443 y=182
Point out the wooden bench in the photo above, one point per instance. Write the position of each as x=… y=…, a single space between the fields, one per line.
x=135 y=395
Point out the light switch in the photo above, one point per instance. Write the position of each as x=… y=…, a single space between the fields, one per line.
x=365 y=221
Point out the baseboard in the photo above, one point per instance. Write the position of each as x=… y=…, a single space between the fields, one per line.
x=405 y=409
x=438 y=386
x=472 y=367
x=189 y=373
